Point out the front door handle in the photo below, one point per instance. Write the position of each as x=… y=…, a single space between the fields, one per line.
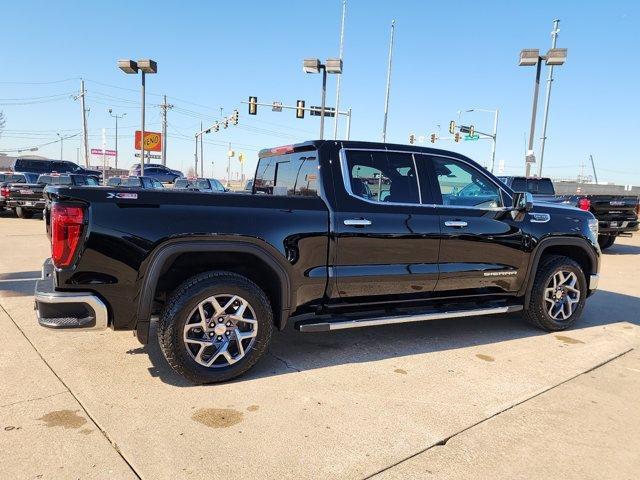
x=455 y=223
x=357 y=222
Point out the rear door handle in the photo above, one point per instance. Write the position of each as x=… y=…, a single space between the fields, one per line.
x=455 y=223
x=357 y=222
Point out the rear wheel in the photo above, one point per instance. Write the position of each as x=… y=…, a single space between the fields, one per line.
x=558 y=294
x=215 y=327
x=22 y=213
x=605 y=241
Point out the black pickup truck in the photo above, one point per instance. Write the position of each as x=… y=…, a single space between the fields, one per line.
x=617 y=214
x=335 y=235
x=28 y=198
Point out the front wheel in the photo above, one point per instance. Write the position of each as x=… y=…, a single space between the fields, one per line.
x=215 y=327
x=558 y=295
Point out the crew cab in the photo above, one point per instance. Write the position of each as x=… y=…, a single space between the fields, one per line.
x=318 y=244
x=617 y=214
x=210 y=185
x=28 y=198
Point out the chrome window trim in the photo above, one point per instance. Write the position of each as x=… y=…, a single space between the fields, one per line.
x=347 y=182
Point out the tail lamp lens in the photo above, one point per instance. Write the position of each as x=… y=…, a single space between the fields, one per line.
x=67 y=224
x=584 y=204
x=4 y=192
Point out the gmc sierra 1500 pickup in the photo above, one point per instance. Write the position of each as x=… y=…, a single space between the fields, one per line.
x=334 y=235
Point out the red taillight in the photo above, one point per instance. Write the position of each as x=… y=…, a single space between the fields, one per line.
x=584 y=204
x=4 y=192
x=66 y=229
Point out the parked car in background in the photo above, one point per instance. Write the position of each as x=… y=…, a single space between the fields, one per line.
x=617 y=214
x=13 y=177
x=28 y=198
x=135 y=182
x=155 y=170
x=224 y=271
x=36 y=165
x=199 y=185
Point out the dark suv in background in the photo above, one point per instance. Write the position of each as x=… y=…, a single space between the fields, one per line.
x=155 y=170
x=42 y=166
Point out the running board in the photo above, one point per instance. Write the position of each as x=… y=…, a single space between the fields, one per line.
x=326 y=326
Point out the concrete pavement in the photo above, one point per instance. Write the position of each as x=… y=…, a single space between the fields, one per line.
x=346 y=404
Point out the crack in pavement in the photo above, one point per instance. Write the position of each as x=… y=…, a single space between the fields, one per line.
x=442 y=442
x=33 y=399
x=93 y=420
x=285 y=362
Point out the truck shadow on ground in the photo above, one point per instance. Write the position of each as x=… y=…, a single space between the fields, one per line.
x=292 y=351
x=622 y=249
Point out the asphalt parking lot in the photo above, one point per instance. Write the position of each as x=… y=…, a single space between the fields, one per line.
x=470 y=398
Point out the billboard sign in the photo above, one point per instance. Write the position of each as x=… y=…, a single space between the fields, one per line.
x=152 y=141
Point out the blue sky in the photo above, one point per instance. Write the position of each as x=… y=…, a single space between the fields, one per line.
x=448 y=56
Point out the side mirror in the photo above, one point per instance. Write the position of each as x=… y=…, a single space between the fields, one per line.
x=522 y=201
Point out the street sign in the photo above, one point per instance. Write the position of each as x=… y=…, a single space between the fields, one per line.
x=473 y=137
x=152 y=141
x=108 y=153
x=149 y=155
x=277 y=107
x=328 y=111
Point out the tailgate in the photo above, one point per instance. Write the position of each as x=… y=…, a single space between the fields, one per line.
x=26 y=192
x=614 y=207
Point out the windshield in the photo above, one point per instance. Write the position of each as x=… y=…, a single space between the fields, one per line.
x=54 y=180
x=535 y=186
x=11 y=178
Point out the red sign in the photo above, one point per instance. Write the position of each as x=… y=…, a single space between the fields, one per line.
x=152 y=141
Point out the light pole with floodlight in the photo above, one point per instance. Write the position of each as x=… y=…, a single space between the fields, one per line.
x=331 y=65
x=116 y=116
x=61 y=143
x=531 y=57
x=131 y=67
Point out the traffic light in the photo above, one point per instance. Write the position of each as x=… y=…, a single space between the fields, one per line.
x=241 y=157
x=456 y=137
x=234 y=117
x=412 y=138
x=433 y=138
x=471 y=130
x=300 y=109
x=225 y=123
x=452 y=127
x=253 y=105
x=216 y=127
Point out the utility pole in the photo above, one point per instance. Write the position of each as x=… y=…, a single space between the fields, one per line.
x=229 y=152
x=164 y=107
x=386 y=100
x=543 y=139
x=201 y=153
x=335 y=122
x=85 y=139
x=593 y=166
x=116 y=116
x=104 y=156
x=61 y=143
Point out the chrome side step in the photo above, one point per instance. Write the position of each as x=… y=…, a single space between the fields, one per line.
x=326 y=326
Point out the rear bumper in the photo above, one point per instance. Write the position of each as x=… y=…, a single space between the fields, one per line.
x=67 y=310
x=27 y=204
x=618 y=227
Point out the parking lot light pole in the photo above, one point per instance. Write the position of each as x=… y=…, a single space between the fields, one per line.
x=331 y=65
x=528 y=58
x=61 y=143
x=116 y=116
x=145 y=66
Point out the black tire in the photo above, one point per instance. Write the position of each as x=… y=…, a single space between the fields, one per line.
x=186 y=298
x=536 y=312
x=605 y=241
x=22 y=213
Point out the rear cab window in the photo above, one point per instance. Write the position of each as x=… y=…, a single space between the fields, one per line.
x=291 y=174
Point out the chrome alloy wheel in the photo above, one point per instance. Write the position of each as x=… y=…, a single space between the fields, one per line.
x=220 y=330
x=562 y=295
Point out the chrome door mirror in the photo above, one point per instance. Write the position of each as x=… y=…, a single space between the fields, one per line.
x=522 y=201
